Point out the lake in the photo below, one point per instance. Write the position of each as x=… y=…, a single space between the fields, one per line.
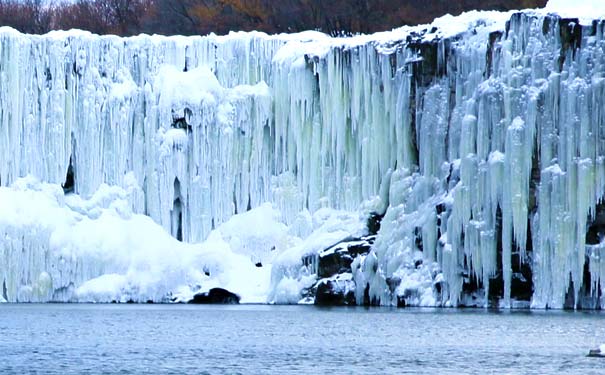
x=263 y=339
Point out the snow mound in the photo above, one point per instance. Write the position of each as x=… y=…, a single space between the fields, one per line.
x=65 y=248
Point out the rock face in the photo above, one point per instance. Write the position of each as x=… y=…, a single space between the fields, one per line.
x=338 y=290
x=337 y=259
x=598 y=352
x=336 y=285
x=216 y=296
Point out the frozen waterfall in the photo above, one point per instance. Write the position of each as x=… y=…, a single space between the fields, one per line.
x=481 y=138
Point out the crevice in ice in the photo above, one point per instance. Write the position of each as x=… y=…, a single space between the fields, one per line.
x=373 y=222
x=534 y=184
x=4 y=290
x=496 y=283
x=570 y=300
x=570 y=31
x=494 y=37
x=375 y=300
x=176 y=213
x=413 y=140
x=70 y=181
x=595 y=234
x=182 y=120
x=521 y=276
x=418 y=238
x=431 y=61
x=186 y=67
x=49 y=78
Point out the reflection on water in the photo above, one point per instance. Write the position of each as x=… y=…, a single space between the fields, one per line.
x=250 y=339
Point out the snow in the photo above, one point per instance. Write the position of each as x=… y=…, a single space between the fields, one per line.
x=585 y=10
x=180 y=88
x=98 y=250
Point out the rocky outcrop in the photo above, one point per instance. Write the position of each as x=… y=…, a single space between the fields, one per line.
x=216 y=296
x=597 y=353
x=336 y=286
x=337 y=290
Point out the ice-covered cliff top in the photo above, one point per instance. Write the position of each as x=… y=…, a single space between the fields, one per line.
x=442 y=27
x=317 y=44
x=585 y=10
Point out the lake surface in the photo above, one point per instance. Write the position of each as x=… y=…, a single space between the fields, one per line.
x=259 y=339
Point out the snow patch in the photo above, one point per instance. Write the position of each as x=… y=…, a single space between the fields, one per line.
x=585 y=10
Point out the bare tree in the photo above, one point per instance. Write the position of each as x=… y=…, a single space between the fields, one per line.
x=128 y=17
x=29 y=16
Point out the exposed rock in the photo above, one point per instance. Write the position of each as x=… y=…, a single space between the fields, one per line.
x=336 y=286
x=597 y=353
x=373 y=222
x=338 y=258
x=69 y=184
x=216 y=296
x=336 y=291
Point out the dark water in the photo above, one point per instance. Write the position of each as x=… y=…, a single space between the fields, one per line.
x=177 y=339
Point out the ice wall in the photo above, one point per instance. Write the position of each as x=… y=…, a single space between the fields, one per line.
x=509 y=175
x=479 y=137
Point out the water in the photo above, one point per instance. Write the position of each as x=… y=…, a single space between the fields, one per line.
x=258 y=339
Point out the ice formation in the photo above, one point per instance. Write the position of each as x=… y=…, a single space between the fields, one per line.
x=479 y=137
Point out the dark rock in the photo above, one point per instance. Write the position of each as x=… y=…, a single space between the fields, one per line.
x=570 y=31
x=69 y=184
x=336 y=291
x=216 y=296
x=433 y=62
x=596 y=228
x=337 y=259
x=393 y=283
x=438 y=287
x=596 y=353
x=309 y=293
x=4 y=291
x=418 y=238
x=522 y=286
x=588 y=297
x=182 y=121
x=336 y=286
x=494 y=37
x=373 y=223
x=400 y=301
